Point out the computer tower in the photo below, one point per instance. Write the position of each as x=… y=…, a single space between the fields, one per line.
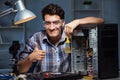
x=108 y=51
x=95 y=50
x=84 y=56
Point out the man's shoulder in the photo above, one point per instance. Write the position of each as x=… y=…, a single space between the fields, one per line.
x=41 y=32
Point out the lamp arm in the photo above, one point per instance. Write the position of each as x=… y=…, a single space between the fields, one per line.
x=8 y=11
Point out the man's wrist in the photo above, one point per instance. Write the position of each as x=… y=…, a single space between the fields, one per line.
x=30 y=58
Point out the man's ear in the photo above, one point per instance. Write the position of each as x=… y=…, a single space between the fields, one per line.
x=63 y=24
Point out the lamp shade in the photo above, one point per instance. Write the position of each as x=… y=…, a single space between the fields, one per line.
x=23 y=14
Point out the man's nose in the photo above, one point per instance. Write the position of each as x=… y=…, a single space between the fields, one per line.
x=52 y=26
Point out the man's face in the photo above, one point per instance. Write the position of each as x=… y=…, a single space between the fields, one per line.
x=53 y=25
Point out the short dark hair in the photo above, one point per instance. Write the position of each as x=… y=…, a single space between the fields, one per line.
x=53 y=9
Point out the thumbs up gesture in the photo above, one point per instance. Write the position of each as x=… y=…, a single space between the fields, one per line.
x=37 y=54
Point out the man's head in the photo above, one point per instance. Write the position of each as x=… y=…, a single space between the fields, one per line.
x=53 y=19
x=53 y=9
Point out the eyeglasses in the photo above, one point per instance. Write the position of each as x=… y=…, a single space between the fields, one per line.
x=57 y=22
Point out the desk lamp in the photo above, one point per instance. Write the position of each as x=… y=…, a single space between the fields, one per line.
x=22 y=14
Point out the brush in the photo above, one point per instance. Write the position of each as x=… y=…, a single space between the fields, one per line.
x=67 y=48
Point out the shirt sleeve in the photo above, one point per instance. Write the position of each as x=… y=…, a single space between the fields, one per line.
x=29 y=47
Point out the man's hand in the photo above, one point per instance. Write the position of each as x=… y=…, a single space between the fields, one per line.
x=37 y=54
x=70 y=27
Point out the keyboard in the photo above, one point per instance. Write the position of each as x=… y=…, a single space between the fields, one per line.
x=50 y=76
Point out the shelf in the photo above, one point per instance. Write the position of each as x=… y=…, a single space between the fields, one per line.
x=11 y=27
x=80 y=10
x=22 y=43
x=87 y=10
x=8 y=34
x=12 y=33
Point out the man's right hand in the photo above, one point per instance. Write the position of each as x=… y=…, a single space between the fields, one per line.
x=37 y=54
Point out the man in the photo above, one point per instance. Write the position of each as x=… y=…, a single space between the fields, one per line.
x=45 y=50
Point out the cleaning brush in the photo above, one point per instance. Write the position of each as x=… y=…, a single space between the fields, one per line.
x=67 y=48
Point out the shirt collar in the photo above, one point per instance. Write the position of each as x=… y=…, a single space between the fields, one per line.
x=63 y=38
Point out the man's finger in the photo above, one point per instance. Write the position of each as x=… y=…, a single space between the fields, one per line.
x=36 y=46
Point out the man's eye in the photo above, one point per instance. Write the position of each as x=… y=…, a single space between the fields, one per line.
x=56 y=22
x=47 y=23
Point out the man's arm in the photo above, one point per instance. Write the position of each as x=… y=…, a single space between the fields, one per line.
x=69 y=27
x=24 y=65
x=36 y=55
